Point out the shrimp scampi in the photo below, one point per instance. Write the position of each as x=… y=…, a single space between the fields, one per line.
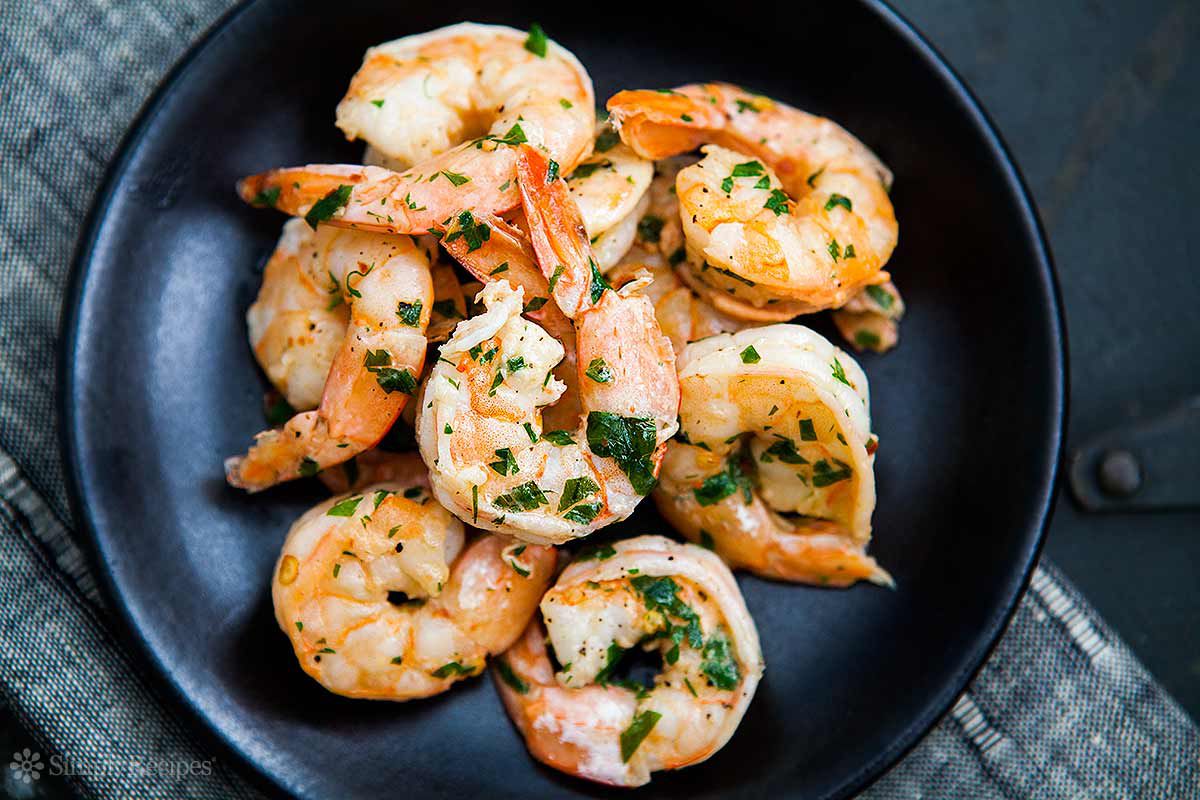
x=382 y=600
x=679 y=600
x=773 y=465
x=449 y=107
x=788 y=211
x=480 y=422
x=384 y=281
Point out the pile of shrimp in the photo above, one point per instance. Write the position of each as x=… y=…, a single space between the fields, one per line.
x=516 y=320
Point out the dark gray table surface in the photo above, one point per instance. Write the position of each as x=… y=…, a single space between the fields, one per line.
x=1100 y=103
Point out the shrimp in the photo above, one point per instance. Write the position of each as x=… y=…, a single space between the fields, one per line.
x=295 y=325
x=449 y=302
x=480 y=425
x=609 y=190
x=870 y=320
x=683 y=316
x=678 y=599
x=454 y=103
x=381 y=601
x=503 y=254
x=385 y=282
x=773 y=464
x=789 y=210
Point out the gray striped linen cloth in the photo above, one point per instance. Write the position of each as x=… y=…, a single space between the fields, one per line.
x=1061 y=710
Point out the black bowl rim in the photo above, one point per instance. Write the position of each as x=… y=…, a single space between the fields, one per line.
x=985 y=640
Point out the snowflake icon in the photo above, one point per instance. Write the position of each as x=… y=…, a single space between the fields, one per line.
x=27 y=765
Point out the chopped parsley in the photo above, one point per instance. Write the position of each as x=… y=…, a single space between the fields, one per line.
x=509 y=677
x=725 y=483
x=514 y=137
x=719 y=664
x=575 y=490
x=536 y=42
x=882 y=297
x=630 y=441
x=808 y=431
x=472 y=232
x=835 y=200
x=558 y=271
x=454 y=177
x=409 y=313
x=598 y=370
x=345 y=508
x=525 y=497
x=389 y=378
x=565 y=103
x=638 y=730
x=453 y=668
x=706 y=540
x=325 y=208
x=558 y=438
x=777 y=202
x=750 y=355
x=834 y=250
x=839 y=373
x=507 y=465
x=308 y=467
x=826 y=474
x=599 y=284
x=266 y=197
x=377 y=103
x=785 y=450
x=866 y=339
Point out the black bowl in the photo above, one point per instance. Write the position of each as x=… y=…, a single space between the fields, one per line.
x=158 y=386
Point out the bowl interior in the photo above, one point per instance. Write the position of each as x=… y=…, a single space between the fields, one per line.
x=160 y=386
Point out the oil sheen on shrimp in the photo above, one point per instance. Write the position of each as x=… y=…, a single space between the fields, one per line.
x=454 y=103
x=385 y=282
x=381 y=600
x=678 y=599
x=789 y=211
x=773 y=464
x=480 y=423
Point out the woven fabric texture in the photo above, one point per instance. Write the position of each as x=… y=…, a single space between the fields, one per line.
x=1062 y=709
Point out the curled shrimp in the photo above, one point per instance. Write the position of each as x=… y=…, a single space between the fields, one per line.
x=680 y=600
x=773 y=465
x=295 y=325
x=870 y=321
x=381 y=601
x=480 y=425
x=454 y=103
x=384 y=280
x=789 y=210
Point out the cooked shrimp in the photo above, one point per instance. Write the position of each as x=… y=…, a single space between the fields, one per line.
x=870 y=321
x=608 y=189
x=296 y=326
x=381 y=601
x=773 y=465
x=454 y=103
x=480 y=424
x=385 y=282
x=683 y=316
x=677 y=599
x=790 y=211
x=503 y=254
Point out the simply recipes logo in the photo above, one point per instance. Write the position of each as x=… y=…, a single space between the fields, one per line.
x=27 y=767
